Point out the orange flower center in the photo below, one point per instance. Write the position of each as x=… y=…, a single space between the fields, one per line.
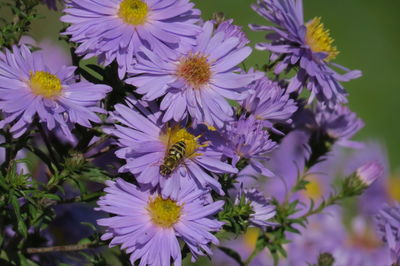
x=195 y=70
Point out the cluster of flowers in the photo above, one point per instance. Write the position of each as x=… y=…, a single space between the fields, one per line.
x=193 y=116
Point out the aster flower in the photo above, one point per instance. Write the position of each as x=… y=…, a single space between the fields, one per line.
x=340 y=123
x=161 y=154
x=196 y=81
x=304 y=45
x=59 y=57
x=246 y=139
x=262 y=209
x=148 y=227
x=326 y=233
x=29 y=88
x=231 y=30
x=269 y=102
x=115 y=29
x=388 y=224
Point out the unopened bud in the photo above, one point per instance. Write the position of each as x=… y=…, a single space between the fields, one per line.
x=369 y=172
x=325 y=259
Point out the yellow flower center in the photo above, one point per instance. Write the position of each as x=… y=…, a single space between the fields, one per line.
x=195 y=70
x=319 y=40
x=133 y=12
x=251 y=236
x=45 y=84
x=177 y=134
x=164 y=212
x=180 y=144
x=393 y=187
x=313 y=188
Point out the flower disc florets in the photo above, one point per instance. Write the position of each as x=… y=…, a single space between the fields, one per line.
x=45 y=84
x=195 y=70
x=164 y=212
x=319 y=40
x=133 y=12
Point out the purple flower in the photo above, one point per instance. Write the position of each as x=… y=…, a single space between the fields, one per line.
x=388 y=223
x=339 y=123
x=196 y=81
x=116 y=29
x=59 y=57
x=369 y=172
x=148 y=227
x=326 y=233
x=29 y=88
x=269 y=102
x=232 y=30
x=287 y=162
x=304 y=45
x=246 y=139
x=164 y=154
x=263 y=210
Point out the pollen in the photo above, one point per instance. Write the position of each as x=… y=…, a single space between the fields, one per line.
x=45 y=84
x=319 y=39
x=176 y=134
x=195 y=70
x=164 y=212
x=133 y=12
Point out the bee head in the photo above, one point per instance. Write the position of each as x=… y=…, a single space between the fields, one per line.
x=165 y=170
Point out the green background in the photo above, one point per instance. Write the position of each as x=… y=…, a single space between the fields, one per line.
x=367 y=34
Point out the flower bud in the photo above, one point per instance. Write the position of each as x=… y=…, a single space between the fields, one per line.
x=362 y=178
x=369 y=172
x=325 y=259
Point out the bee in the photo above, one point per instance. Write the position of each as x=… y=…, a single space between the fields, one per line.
x=218 y=18
x=173 y=158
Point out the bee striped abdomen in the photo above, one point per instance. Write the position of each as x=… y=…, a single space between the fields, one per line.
x=174 y=156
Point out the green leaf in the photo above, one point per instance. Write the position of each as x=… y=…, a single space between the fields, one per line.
x=52 y=196
x=91 y=226
x=25 y=261
x=21 y=227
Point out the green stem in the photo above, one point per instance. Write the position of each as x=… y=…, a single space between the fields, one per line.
x=84 y=198
x=252 y=256
x=331 y=201
x=47 y=143
x=66 y=248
